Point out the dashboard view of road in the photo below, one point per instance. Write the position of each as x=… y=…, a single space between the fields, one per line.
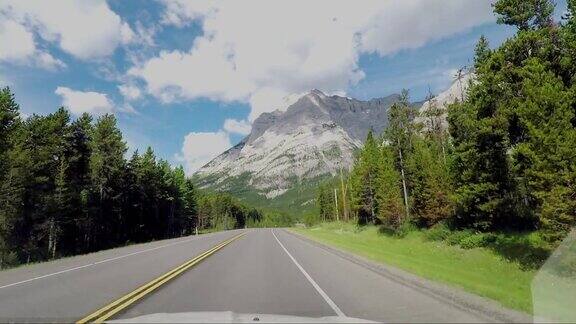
x=265 y=274
x=288 y=161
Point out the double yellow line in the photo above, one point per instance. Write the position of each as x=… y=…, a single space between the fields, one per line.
x=116 y=306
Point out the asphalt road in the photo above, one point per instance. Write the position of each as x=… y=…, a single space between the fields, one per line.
x=263 y=272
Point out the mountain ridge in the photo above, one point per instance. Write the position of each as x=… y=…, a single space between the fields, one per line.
x=288 y=152
x=314 y=136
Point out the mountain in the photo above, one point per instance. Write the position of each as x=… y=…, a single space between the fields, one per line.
x=279 y=164
x=457 y=91
x=313 y=138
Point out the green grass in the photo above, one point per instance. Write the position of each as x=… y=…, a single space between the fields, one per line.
x=482 y=271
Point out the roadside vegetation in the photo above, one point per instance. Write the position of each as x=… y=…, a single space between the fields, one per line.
x=500 y=159
x=66 y=188
x=481 y=192
x=500 y=268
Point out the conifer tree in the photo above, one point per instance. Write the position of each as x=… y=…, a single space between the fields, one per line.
x=391 y=208
x=364 y=181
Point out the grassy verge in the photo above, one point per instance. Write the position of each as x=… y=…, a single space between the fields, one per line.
x=483 y=271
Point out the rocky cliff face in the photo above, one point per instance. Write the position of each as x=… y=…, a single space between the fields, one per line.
x=315 y=136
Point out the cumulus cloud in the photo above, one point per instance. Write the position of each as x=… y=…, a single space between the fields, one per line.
x=234 y=126
x=201 y=147
x=84 y=29
x=284 y=48
x=130 y=92
x=268 y=99
x=79 y=102
x=21 y=41
x=20 y=48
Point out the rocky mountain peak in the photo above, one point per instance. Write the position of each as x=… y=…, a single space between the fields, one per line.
x=314 y=136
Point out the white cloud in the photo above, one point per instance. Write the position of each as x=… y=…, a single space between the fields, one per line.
x=47 y=61
x=290 y=47
x=79 y=102
x=85 y=29
x=180 y=13
x=200 y=148
x=19 y=47
x=21 y=42
x=234 y=126
x=268 y=99
x=130 y=92
x=127 y=108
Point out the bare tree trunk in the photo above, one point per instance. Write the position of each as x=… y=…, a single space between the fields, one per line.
x=55 y=244
x=404 y=181
x=372 y=212
x=50 y=236
x=336 y=203
x=344 y=203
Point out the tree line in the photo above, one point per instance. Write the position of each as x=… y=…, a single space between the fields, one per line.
x=66 y=187
x=507 y=158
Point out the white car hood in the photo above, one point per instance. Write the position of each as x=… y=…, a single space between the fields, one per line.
x=231 y=317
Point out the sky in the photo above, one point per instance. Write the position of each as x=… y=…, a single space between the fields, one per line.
x=189 y=77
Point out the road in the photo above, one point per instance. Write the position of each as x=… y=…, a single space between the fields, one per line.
x=263 y=271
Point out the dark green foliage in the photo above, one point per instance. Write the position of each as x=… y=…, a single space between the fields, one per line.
x=326 y=202
x=438 y=232
x=507 y=161
x=481 y=52
x=221 y=211
x=524 y=14
x=430 y=182
x=391 y=209
x=514 y=164
x=66 y=188
x=364 y=182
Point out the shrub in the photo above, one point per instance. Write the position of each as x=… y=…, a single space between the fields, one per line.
x=397 y=231
x=438 y=232
x=404 y=229
x=458 y=236
x=477 y=240
x=528 y=249
x=311 y=219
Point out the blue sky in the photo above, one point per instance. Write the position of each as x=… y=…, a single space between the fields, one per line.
x=195 y=74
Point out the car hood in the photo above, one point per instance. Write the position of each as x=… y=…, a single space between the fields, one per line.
x=231 y=317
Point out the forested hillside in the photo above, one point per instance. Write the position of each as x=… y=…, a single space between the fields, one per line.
x=66 y=187
x=506 y=162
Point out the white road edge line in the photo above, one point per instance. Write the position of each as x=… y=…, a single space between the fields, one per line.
x=96 y=263
x=318 y=289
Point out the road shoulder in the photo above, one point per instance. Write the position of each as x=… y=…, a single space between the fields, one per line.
x=484 y=307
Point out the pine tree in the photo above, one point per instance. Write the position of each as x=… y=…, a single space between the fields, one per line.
x=9 y=118
x=60 y=209
x=107 y=166
x=190 y=212
x=481 y=51
x=325 y=202
x=430 y=180
x=399 y=135
x=524 y=14
x=391 y=209
x=11 y=180
x=78 y=154
x=364 y=181
x=545 y=159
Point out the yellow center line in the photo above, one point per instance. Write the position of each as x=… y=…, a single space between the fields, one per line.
x=121 y=303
